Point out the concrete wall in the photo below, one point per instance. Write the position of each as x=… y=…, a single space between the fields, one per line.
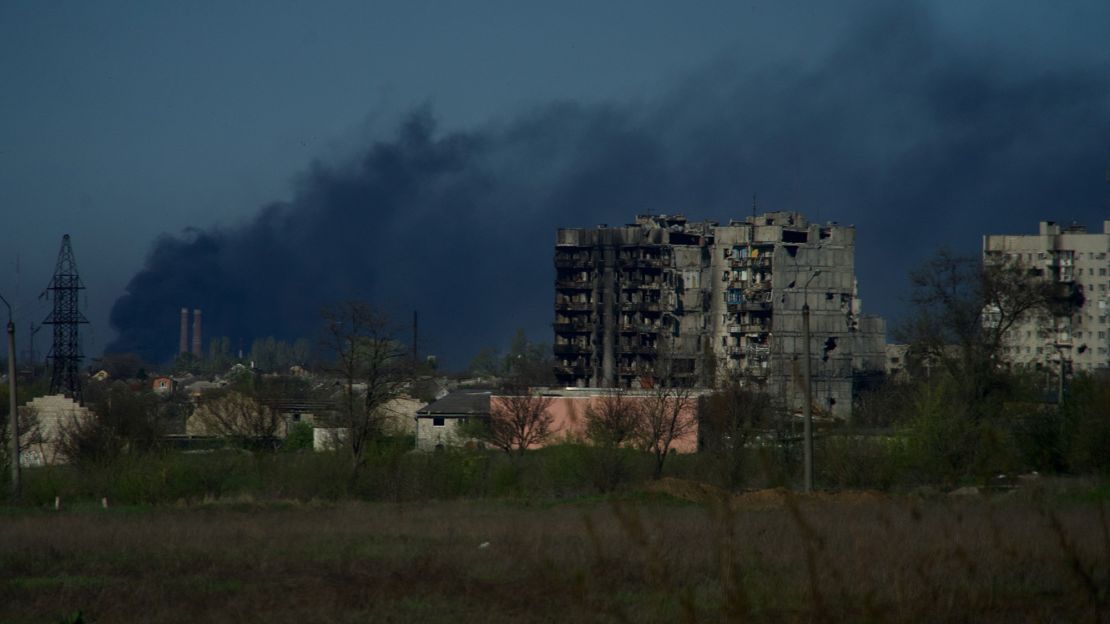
x=429 y=436
x=569 y=418
x=50 y=415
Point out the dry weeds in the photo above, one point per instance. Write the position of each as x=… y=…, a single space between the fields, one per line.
x=768 y=556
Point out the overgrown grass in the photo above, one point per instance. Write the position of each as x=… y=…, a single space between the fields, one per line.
x=629 y=557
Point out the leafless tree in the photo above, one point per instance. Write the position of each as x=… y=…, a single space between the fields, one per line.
x=233 y=414
x=122 y=421
x=366 y=353
x=964 y=308
x=519 y=419
x=730 y=418
x=614 y=421
x=667 y=414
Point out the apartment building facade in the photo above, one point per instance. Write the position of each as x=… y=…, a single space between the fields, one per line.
x=667 y=300
x=1072 y=256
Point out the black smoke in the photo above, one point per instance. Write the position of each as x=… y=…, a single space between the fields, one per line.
x=917 y=138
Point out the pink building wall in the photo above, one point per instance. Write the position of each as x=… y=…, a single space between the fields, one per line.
x=570 y=420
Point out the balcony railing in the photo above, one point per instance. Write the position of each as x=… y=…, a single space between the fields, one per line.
x=574 y=284
x=569 y=371
x=759 y=262
x=573 y=262
x=747 y=328
x=573 y=328
x=749 y=306
x=571 y=349
x=641 y=285
x=643 y=263
x=574 y=306
x=640 y=306
x=639 y=328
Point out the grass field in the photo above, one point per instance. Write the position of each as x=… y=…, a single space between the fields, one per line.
x=635 y=557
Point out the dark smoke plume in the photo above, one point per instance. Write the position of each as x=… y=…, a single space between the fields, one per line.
x=917 y=139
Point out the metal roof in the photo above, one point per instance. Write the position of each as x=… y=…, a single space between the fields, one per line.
x=458 y=403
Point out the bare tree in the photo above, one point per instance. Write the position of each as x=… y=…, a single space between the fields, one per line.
x=362 y=342
x=234 y=414
x=729 y=419
x=518 y=419
x=668 y=412
x=122 y=421
x=613 y=422
x=666 y=415
x=964 y=308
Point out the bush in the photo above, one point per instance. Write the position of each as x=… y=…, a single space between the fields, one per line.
x=298 y=438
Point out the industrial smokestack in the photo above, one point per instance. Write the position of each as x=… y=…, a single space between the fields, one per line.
x=196 y=332
x=183 y=340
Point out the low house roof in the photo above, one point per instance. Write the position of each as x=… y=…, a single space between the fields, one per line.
x=458 y=403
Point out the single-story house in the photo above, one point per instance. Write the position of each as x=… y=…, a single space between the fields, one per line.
x=439 y=423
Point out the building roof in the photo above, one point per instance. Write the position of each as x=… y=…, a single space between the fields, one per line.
x=458 y=403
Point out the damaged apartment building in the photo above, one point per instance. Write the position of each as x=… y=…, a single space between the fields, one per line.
x=665 y=300
x=1073 y=257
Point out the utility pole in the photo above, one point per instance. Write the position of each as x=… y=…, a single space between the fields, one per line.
x=13 y=416
x=807 y=409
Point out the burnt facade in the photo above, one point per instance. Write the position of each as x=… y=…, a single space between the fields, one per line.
x=666 y=300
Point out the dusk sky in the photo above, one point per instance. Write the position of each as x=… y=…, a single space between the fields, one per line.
x=260 y=159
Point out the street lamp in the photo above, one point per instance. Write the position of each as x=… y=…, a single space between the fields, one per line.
x=807 y=409
x=13 y=417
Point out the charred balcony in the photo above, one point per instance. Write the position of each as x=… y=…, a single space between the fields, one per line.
x=641 y=306
x=574 y=306
x=572 y=349
x=571 y=327
x=564 y=371
x=638 y=328
x=574 y=284
x=573 y=261
x=638 y=349
x=749 y=306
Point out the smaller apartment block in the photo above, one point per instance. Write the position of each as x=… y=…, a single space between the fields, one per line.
x=695 y=303
x=1069 y=255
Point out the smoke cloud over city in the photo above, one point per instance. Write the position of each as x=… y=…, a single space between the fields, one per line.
x=914 y=136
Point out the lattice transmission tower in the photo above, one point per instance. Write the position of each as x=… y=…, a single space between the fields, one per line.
x=66 y=318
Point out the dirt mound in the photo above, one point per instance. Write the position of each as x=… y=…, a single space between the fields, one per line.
x=697 y=492
x=853 y=496
x=687 y=490
x=774 y=497
x=778 y=496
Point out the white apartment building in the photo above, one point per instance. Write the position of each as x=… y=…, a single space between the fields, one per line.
x=1066 y=254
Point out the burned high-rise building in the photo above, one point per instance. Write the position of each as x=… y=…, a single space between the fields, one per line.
x=666 y=300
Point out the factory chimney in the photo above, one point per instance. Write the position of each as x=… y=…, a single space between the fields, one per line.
x=196 y=333
x=183 y=340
